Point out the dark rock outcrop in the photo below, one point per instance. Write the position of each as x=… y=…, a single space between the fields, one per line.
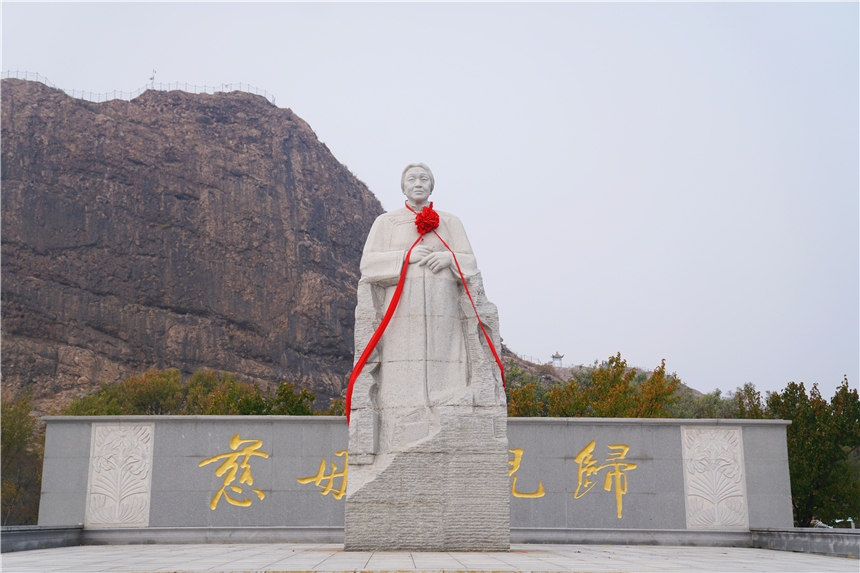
x=175 y=230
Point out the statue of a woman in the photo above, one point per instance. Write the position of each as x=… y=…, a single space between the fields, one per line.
x=433 y=352
x=428 y=454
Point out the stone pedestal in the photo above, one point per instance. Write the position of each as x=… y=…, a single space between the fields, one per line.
x=449 y=492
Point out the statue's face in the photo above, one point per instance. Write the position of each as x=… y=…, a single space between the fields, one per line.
x=416 y=185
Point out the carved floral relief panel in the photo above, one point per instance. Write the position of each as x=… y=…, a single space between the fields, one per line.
x=714 y=481
x=120 y=475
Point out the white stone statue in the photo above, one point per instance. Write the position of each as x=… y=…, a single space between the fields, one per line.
x=431 y=392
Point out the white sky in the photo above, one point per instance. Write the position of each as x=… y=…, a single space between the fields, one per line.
x=666 y=180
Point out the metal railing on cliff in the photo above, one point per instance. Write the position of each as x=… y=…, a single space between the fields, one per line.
x=116 y=94
x=538 y=361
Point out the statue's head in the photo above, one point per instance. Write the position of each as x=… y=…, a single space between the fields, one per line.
x=417 y=182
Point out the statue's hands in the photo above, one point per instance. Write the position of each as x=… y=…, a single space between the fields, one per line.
x=438 y=261
x=419 y=253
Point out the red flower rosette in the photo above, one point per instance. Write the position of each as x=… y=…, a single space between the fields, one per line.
x=427 y=219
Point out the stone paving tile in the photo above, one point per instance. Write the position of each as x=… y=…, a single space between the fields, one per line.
x=437 y=564
x=331 y=557
x=343 y=565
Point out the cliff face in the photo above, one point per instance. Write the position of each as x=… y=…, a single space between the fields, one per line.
x=175 y=230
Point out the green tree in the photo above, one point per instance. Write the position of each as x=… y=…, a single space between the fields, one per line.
x=292 y=401
x=21 y=454
x=823 y=440
x=749 y=403
x=708 y=406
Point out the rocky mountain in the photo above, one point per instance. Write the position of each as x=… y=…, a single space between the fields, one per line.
x=174 y=230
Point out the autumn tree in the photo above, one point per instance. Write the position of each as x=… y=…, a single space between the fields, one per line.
x=615 y=391
x=154 y=392
x=523 y=401
x=207 y=392
x=656 y=394
x=221 y=394
x=525 y=393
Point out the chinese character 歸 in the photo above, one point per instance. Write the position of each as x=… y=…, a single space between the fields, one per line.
x=588 y=466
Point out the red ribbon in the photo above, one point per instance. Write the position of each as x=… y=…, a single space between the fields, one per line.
x=427 y=220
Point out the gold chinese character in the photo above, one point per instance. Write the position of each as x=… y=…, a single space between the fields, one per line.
x=321 y=477
x=588 y=466
x=617 y=473
x=231 y=465
x=515 y=465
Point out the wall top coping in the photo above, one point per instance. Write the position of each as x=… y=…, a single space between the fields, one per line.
x=342 y=420
x=650 y=421
x=163 y=419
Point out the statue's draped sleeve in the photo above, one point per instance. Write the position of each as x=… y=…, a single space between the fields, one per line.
x=379 y=262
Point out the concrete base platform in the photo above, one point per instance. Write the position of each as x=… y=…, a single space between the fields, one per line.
x=835 y=542
x=330 y=557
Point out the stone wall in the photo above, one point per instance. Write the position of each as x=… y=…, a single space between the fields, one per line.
x=563 y=480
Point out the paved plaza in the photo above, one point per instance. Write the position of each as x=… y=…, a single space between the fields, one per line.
x=331 y=557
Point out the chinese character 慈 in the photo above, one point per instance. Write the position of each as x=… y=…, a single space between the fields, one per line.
x=231 y=465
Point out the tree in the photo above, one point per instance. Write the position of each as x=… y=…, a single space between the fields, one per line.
x=153 y=392
x=199 y=390
x=213 y=394
x=749 y=403
x=823 y=442
x=615 y=391
x=524 y=393
x=656 y=394
x=292 y=401
x=709 y=406
x=523 y=401
x=21 y=454
x=207 y=392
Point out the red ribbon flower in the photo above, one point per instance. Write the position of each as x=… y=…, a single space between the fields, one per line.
x=427 y=219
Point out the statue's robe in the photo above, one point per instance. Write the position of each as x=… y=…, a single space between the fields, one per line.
x=433 y=350
x=423 y=352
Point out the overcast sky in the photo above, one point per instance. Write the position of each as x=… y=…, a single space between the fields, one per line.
x=666 y=180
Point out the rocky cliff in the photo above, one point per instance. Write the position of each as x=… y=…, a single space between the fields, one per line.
x=175 y=230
